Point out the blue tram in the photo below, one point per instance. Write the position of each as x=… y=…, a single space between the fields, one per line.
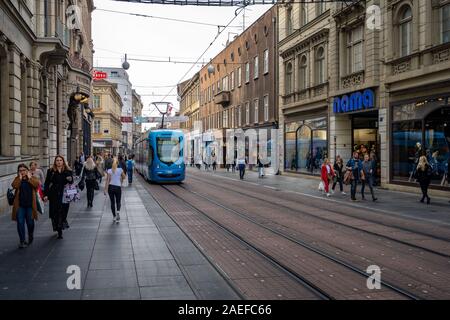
x=159 y=156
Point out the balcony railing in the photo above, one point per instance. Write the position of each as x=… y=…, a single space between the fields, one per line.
x=77 y=61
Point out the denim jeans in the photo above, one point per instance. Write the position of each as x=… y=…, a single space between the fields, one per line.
x=369 y=182
x=24 y=215
x=354 y=184
x=130 y=175
x=241 y=171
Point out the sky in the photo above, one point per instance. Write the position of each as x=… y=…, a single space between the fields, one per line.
x=157 y=39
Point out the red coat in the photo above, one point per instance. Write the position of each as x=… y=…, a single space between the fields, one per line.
x=324 y=173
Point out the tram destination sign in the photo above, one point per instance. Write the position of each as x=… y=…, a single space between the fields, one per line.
x=139 y=120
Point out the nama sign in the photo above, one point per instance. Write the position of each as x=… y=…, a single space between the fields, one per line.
x=356 y=101
x=98 y=75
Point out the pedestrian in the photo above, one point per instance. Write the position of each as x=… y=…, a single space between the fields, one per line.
x=423 y=176
x=374 y=161
x=78 y=167
x=241 y=165
x=25 y=203
x=113 y=185
x=260 y=168
x=130 y=168
x=108 y=162
x=367 y=174
x=39 y=174
x=233 y=168
x=339 y=174
x=58 y=176
x=82 y=158
x=327 y=175
x=122 y=163
x=214 y=161
x=353 y=168
x=100 y=166
x=90 y=176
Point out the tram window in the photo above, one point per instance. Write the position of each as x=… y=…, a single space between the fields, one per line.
x=150 y=156
x=168 y=149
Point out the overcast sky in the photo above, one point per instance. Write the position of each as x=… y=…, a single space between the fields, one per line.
x=148 y=38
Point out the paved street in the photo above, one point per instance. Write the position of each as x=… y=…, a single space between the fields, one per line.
x=145 y=256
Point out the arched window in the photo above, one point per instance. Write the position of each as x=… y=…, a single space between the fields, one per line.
x=320 y=65
x=289 y=79
x=302 y=73
x=405 y=31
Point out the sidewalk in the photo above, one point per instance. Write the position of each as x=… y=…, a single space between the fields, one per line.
x=389 y=202
x=145 y=256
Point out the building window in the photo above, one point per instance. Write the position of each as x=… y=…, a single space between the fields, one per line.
x=239 y=111
x=114 y=74
x=256 y=105
x=289 y=27
x=355 y=50
x=303 y=15
x=225 y=119
x=97 y=126
x=266 y=61
x=218 y=86
x=320 y=8
x=266 y=108
x=96 y=102
x=445 y=23
x=256 y=65
x=213 y=90
x=405 y=31
x=239 y=77
x=247 y=113
x=320 y=65
x=289 y=78
x=302 y=73
x=247 y=72
x=232 y=80
x=225 y=83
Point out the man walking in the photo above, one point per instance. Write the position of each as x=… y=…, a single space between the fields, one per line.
x=241 y=165
x=130 y=168
x=354 y=166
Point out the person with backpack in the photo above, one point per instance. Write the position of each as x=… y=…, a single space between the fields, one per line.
x=423 y=175
x=130 y=168
x=58 y=176
x=113 y=186
x=25 y=203
x=90 y=176
x=354 y=167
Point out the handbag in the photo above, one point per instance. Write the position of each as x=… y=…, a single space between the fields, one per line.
x=321 y=186
x=348 y=176
x=39 y=204
x=11 y=196
x=71 y=193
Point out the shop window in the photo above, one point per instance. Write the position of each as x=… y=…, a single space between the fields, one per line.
x=445 y=23
x=307 y=146
x=405 y=31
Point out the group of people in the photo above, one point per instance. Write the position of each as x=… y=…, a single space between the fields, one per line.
x=31 y=189
x=354 y=172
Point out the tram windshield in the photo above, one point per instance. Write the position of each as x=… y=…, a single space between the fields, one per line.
x=168 y=149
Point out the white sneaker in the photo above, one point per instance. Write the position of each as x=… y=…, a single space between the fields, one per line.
x=328 y=194
x=118 y=216
x=114 y=219
x=343 y=193
x=332 y=191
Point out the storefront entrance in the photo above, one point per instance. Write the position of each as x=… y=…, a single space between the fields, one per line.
x=365 y=137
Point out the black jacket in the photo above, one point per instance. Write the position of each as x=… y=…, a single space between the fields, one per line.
x=91 y=174
x=338 y=170
x=424 y=176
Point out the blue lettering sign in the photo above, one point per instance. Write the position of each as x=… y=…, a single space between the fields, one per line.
x=357 y=101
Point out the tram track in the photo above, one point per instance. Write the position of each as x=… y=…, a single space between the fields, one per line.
x=243 y=191
x=337 y=263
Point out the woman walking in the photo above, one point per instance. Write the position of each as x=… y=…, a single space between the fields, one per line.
x=25 y=205
x=58 y=176
x=423 y=176
x=114 y=179
x=367 y=177
x=339 y=177
x=327 y=175
x=90 y=175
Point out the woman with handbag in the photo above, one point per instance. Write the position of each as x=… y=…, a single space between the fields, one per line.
x=339 y=177
x=58 y=177
x=327 y=175
x=113 y=185
x=90 y=176
x=25 y=205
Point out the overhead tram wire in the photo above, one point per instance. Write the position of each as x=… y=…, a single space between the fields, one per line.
x=209 y=46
